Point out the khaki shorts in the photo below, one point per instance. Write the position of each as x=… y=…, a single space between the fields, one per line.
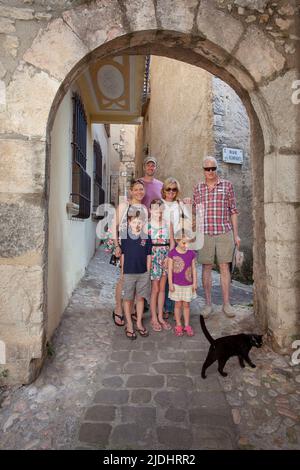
x=136 y=285
x=220 y=245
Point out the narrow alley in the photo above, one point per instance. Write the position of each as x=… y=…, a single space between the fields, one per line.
x=98 y=390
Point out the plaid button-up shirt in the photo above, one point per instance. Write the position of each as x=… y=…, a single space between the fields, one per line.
x=218 y=204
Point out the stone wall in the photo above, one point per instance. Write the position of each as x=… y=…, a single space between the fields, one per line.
x=232 y=129
x=124 y=158
x=46 y=45
x=178 y=123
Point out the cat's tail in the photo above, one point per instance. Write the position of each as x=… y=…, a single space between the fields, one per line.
x=205 y=331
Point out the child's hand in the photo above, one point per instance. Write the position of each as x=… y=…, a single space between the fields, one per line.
x=194 y=287
x=166 y=263
x=187 y=200
x=118 y=252
x=171 y=288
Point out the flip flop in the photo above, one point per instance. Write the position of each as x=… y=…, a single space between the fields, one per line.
x=121 y=317
x=165 y=325
x=143 y=332
x=156 y=326
x=130 y=334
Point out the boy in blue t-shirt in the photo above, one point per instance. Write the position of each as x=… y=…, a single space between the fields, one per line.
x=136 y=262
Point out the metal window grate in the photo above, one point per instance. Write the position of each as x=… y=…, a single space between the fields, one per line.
x=79 y=132
x=81 y=181
x=82 y=191
x=98 y=158
x=99 y=193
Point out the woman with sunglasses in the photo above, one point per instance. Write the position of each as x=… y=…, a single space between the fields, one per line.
x=175 y=215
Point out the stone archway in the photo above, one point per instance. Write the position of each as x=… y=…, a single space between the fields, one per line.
x=244 y=55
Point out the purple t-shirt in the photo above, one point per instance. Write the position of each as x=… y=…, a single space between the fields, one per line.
x=152 y=191
x=182 y=267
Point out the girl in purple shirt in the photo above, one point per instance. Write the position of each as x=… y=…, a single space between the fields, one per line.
x=182 y=277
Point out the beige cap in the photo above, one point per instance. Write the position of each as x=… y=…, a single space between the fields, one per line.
x=150 y=159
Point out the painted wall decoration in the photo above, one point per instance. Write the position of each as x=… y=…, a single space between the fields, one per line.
x=113 y=88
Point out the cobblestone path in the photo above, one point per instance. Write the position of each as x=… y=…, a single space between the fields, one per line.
x=101 y=391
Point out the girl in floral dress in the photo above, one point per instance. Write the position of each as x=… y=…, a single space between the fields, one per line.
x=162 y=241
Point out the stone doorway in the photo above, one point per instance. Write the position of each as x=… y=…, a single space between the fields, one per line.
x=243 y=55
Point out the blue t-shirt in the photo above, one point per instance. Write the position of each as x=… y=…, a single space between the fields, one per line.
x=136 y=248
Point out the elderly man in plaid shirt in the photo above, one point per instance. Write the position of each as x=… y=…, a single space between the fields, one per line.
x=220 y=231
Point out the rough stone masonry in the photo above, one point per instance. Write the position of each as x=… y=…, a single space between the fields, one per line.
x=251 y=45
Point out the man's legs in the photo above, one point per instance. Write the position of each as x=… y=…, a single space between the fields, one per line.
x=206 y=258
x=207 y=281
x=224 y=249
x=207 y=285
x=225 y=284
x=225 y=281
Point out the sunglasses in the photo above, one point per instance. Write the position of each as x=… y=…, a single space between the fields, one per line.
x=210 y=168
x=174 y=190
x=133 y=182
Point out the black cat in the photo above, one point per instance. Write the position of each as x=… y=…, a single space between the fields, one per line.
x=222 y=349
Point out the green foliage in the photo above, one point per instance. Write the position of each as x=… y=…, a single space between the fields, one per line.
x=50 y=349
x=4 y=373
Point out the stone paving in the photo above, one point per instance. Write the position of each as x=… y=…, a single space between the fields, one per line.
x=101 y=391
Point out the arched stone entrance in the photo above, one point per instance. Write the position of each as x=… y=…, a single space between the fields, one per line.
x=244 y=55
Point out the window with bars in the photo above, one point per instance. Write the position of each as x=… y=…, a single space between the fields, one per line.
x=99 y=194
x=81 y=181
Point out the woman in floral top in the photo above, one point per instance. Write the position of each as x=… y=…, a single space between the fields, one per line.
x=162 y=241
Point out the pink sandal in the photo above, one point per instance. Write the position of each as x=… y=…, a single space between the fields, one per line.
x=189 y=330
x=178 y=330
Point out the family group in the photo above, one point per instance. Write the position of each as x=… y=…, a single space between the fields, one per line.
x=153 y=237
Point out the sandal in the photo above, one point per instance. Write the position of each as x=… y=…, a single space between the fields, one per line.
x=189 y=330
x=156 y=326
x=121 y=317
x=165 y=325
x=130 y=334
x=143 y=332
x=178 y=330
